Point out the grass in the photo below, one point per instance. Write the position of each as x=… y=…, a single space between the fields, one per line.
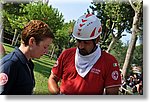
x=42 y=71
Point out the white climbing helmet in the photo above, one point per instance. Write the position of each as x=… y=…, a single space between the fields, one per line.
x=87 y=27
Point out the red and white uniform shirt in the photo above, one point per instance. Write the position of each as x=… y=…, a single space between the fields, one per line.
x=105 y=73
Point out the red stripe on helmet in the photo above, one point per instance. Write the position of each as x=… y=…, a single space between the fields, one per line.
x=93 y=32
x=88 y=15
x=84 y=20
x=81 y=25
x=100 y=29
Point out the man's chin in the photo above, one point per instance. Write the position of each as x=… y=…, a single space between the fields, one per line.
x=83 y=53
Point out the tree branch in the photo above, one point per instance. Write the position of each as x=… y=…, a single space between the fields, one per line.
x=130 y=1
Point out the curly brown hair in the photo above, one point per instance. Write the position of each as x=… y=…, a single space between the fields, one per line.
x=37 y=29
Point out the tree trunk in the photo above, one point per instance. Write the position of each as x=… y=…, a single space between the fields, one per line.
x=17 y=39
x=111 y=44
x=52 y=53
x=129 y=54
x=14 y=37
x=132 y=44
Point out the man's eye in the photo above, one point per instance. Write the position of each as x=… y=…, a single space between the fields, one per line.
x=86 y=42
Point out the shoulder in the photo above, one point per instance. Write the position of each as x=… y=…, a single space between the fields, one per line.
x=107 y=55
x=9 y=57
x=8 y=63
x=9 y=60
x=108 y=58
x=69 y=51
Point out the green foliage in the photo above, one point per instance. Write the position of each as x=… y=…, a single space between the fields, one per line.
x=138 y=55
x=16 y=22
x=63 y=37
x=12 y=18
x=40 y=11
x=17 y=15
x=119 y=51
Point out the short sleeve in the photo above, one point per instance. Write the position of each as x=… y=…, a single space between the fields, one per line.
x=7 y=77
x=57 y=69
x=113 y=75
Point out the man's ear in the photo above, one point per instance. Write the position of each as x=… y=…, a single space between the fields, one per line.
x=31 y=41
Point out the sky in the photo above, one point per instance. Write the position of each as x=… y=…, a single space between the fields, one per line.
x=71 y=9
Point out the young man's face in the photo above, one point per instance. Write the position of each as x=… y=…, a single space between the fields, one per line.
x=85 y=46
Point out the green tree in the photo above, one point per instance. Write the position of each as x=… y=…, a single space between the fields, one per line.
x=20 y=14
x=63 y=37
x=138 y=55
x=48 y=14
x=119 y=51
x=13 y=21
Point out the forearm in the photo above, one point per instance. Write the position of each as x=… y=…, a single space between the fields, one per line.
x=112 y=91
x=53 y=86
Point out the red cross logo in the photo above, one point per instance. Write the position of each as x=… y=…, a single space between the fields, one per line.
x=3 y=78
x=114 y=75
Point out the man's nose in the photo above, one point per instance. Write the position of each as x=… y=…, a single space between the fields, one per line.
x=81 y=45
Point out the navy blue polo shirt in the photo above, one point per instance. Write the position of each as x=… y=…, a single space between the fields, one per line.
x=17 y=72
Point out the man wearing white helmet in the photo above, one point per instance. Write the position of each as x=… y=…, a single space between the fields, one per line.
x=85 y=70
